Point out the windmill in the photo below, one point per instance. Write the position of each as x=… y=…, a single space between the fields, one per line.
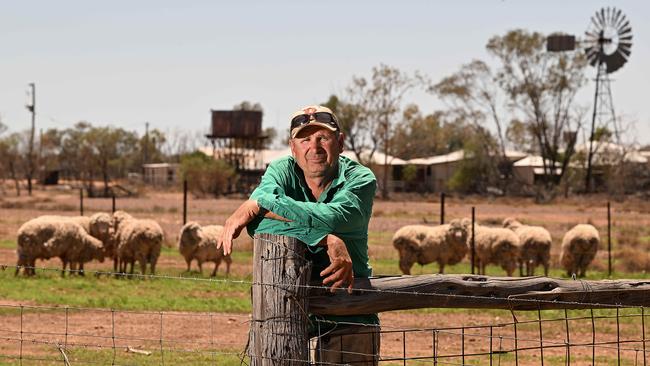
x=607 y=44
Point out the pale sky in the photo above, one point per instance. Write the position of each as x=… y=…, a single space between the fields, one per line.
x=123 y=63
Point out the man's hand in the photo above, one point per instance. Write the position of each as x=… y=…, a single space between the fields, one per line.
x=235 y=223
x=339 y=272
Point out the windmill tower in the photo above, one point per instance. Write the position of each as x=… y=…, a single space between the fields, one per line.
x=607 y=44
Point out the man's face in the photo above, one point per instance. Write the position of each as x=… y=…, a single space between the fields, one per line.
x=316 y=150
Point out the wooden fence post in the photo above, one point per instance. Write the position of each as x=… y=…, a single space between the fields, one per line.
x=113 y=203
x=278 y=332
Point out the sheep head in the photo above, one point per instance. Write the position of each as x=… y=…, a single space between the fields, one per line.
x=457 y=232
x=119 y=217
x=409 y=251
x=100 y=225
x=190 y=233
x=94 y=249
x=511 y=223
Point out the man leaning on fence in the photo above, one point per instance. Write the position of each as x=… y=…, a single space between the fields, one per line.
x=324 y=200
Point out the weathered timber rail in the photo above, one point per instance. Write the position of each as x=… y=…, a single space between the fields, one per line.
x=282 y=297
x=472 y=291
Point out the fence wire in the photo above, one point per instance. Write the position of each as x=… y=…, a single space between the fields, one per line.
x=35 y=334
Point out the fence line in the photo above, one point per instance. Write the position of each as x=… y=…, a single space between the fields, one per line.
x=504 y=332
x=585 y=286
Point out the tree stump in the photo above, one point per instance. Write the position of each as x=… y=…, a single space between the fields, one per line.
x=278 y=332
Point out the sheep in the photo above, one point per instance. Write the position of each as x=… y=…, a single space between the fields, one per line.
x=494 y=245
x=445 y=244
x=135 y=239
x=98 y=225
x=47 y=237
x=535 y=243
x=579 y=248
x=200 y=243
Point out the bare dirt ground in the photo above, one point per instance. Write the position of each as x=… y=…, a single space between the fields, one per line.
x=229 y=331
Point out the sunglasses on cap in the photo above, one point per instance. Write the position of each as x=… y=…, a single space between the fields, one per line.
x=322 y=117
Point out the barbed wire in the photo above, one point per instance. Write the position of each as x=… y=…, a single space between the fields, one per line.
x=327 y=288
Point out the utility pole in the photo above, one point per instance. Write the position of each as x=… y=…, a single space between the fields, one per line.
x=146 y=142
x=30 y=155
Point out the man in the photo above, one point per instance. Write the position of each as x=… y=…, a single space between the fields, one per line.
x=325 y=201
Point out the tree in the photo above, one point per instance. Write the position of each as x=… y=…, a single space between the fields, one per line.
x=541 y=88
x=418 y=136
x=369 y=111
x=206 y=175
x=13 y=149
x=109 y=146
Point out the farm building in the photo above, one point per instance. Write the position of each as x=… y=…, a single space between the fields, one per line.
x=433 y=173
x=160 y=174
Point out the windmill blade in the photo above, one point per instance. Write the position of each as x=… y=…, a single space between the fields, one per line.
x=623 y=26
x=617 y=16
x=626 y=51
x=627 y=39
x=595 y=23
x=602 y=17
x=591 y=37
x=625 y=31
x=610 y=16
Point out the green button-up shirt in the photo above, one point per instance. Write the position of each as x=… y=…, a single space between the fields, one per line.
x=344 y=209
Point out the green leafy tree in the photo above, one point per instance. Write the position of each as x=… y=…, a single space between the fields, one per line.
x=541 y=87
x=206 y=176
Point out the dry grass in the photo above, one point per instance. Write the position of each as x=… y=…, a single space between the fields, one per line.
x=629 y=222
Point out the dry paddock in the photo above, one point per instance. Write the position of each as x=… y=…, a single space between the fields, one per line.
x=631 y=227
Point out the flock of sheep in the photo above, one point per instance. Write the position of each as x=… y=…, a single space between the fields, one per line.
x=125 y=240
x=511 y=246
x=119 y=236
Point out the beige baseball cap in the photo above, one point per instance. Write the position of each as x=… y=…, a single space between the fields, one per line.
x=313 y=115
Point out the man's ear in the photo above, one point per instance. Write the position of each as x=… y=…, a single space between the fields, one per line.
x=341 y=140
x=293 y=153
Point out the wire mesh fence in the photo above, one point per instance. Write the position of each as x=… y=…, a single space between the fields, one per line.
x=37 y=334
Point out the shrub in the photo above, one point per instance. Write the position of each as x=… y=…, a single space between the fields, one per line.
x=206 y=176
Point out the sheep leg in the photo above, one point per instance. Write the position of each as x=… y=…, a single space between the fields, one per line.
x=32 y=267
x=216 y=267
x=81 y=269
x=228 y=263
x=20 y=264
x=442 y=267
x=200 y=265
x=189 y=262
x=65 y=263
x=152 y=264
x=521 y=268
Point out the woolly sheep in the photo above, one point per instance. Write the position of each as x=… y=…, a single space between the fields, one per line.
x=200 y=243
x=535 y=243
x=135 y=239
x=579 y=248
x=494 y=245
x=98 y=226
x=44 y=238
x=445 y=244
